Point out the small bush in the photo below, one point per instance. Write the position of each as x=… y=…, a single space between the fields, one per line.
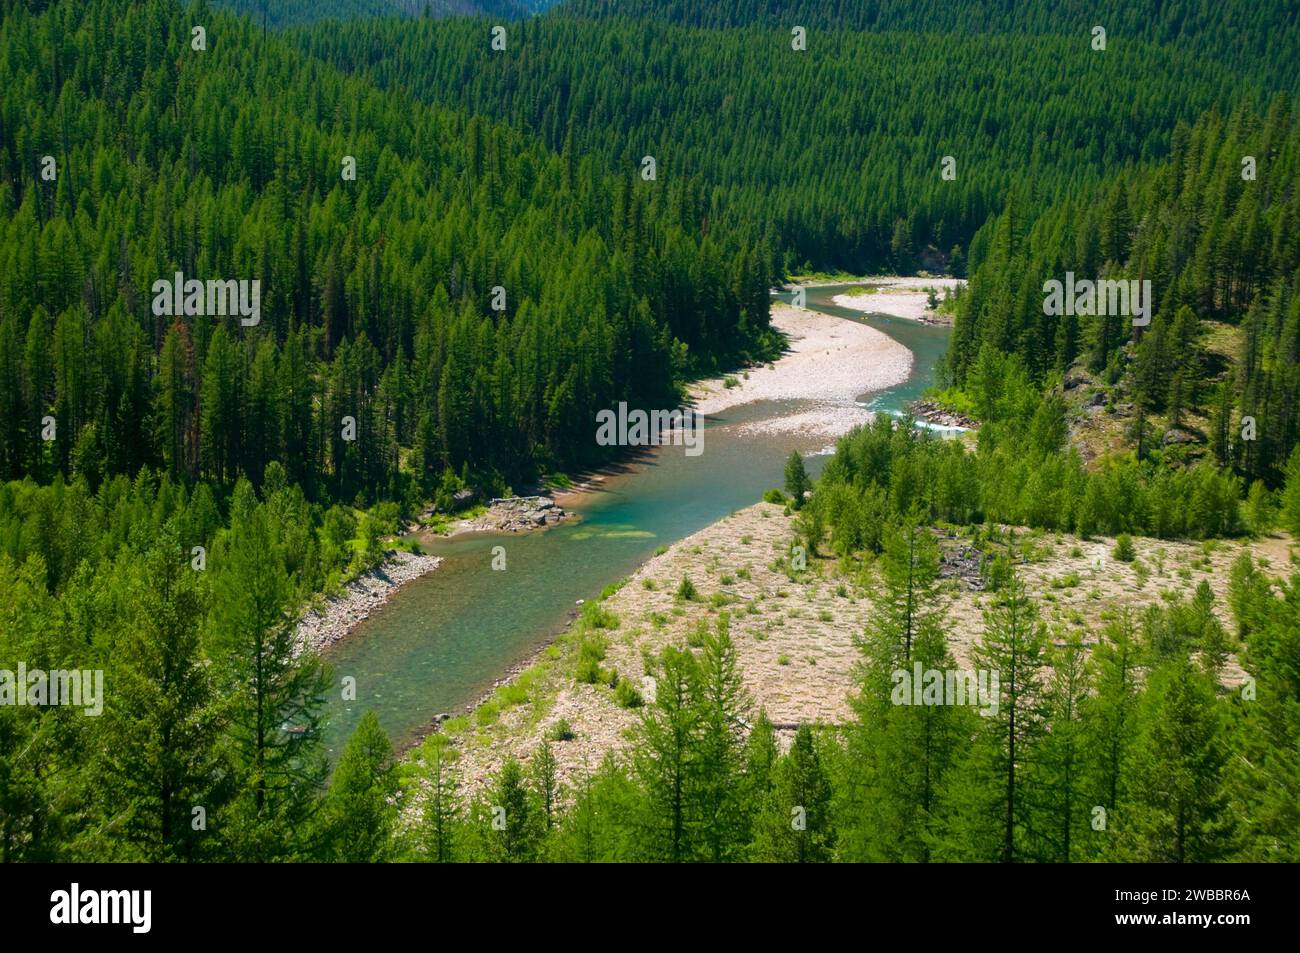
x=686 y=590
x=697 y=634
x=774 y=496
x=590 y=654
x=627 y=696
x=596 y=616
x=560 y=731
x=1124 y=551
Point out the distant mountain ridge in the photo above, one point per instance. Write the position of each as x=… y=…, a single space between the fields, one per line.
x=280 y=13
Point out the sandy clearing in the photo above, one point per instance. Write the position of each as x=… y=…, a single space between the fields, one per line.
x=899 y=297
x=795 y=637
x=831 y=361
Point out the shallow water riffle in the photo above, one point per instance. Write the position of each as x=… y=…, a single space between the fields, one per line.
x=444 y=639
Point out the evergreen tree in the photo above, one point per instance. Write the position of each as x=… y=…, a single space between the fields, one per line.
x=1177 y=809
x=795 y=824
x=437 y=841
x=159 y=747
x=724 y=708
x=987 y=812
x=667 y=758
x=796 y=478
x=357 y=818
x=273 y=699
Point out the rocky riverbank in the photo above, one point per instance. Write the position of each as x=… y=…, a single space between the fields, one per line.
x=932 y=413
x=516 y=514
x=901 y=297
x=322 y=626
x=795 y=633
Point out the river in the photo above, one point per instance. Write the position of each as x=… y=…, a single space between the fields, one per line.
x=443 y=639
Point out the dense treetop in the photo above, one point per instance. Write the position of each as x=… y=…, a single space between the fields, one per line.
x=376 y=295
x=1257 y=38
x=837 y=150
x=279 y=13
x=1216 y=230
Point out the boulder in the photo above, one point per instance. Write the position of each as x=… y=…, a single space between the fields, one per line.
x=1177 y=435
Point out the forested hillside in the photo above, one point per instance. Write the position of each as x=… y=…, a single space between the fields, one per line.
x=146 y=429
x=376 y=292
x=1264 y=42
x=836 y=150
x=1216 y=230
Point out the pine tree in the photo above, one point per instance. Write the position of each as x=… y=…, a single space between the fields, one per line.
x=1177 y=809
x=795 y=824
x=1265 y=773
x=509 y=821
x=1059 y=776
x=796 y=478
x=987 y=812
x=724 y=708
x=273 y=699
x=900 y=752
x=908 y=594
x=1109 y=713
x=667 y=755
x=159 y=750
x=437 y=831
x=546 y=783
x=357 y=818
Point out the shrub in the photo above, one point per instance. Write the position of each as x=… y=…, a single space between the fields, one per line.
x=627 y=696
x=686 y=590
x=696 y=635
x=596 y=616
x=560 y=731
x=590 y=654
x=1124 y=551
x=774 y=496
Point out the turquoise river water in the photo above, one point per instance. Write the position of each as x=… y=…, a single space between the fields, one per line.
x=443 y=639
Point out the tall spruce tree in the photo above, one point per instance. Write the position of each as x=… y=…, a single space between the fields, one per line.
x=160 y=734
x=987 y=812
x=273 y=697
x=1177 y=808
x=667 y=758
